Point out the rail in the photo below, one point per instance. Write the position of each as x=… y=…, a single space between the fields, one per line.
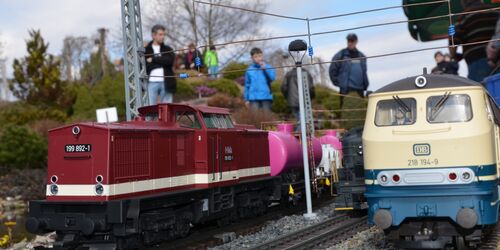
x=330 y=231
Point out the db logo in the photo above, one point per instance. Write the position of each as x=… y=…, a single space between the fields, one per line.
x=421 y=149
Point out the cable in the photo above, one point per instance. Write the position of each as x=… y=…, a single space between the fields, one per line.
x=323 y=17
x=343 y=30
x=378 y=9
x=337 y=110
x=339 y=30
x=252 y=11
x=404 y=21
x=451 y=28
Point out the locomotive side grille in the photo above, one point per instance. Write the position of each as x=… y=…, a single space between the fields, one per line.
x=181 y=150
x=131 y=156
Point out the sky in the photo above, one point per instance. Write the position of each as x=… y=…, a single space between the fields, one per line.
x=59 y=18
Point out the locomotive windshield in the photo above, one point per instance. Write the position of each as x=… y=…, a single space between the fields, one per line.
x=449 y=108
x=217 y=121
x=396 y=112
x=187 y=119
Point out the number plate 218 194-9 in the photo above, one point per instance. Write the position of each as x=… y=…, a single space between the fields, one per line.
x=77 y=148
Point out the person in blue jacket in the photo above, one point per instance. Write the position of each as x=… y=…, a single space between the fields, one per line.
x=348 y=69
x=258 y=78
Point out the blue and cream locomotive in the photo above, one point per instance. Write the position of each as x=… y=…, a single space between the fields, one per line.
x=431 y=155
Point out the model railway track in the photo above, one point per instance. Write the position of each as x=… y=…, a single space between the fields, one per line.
x=492 y=242
x=204 y=237
x=328 y=232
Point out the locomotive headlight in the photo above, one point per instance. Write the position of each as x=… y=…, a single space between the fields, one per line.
x=466 y=176
x=76 y=130
x=54 y=189
x=53 y=179
x=99 y=178
x=383 y=178
x=99 y=189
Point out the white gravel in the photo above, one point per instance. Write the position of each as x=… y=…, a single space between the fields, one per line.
x=276 y=228
x=370 y=239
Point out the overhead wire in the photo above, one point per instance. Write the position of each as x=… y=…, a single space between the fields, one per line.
x=357 y=58
x=338 y=30
x=309 y=34
x=294 y=18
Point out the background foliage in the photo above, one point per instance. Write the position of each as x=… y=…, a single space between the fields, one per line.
x=48 y=99
x=20 y=147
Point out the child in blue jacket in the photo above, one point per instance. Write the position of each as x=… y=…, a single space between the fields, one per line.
x=258 y=78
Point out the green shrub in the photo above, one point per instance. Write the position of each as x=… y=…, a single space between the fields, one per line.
x=107 y=92
x=326 y=98
x=22 y=148
x=185 y=90
x=21 y=113
x=253 y=117
x=225 y=86
x=233 y=66
x=280 y=105
x=226 y=101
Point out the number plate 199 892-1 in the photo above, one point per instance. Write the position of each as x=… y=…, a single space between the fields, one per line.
x=76 y=148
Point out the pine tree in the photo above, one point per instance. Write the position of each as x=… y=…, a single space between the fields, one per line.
x=37 y=76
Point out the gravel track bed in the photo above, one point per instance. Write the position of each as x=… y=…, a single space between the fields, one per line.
x=276 y=228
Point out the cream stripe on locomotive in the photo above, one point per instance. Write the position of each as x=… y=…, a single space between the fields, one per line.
x=153 y=184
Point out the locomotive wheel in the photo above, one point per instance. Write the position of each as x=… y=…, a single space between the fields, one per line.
x=226 y=220
x=182 y=227
x=460 y=243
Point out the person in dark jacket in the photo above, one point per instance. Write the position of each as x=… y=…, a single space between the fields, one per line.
x=189 y=59
x=290 y=89
x=349 y=75
x=444 y=64
x=160 y=60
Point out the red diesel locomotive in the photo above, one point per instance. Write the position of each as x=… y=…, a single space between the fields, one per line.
x=122 y=185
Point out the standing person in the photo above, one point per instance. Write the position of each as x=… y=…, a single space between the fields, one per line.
x=211 y=61
x=444 y=64
x=452 y=65
x=290 y=89
x=179 y=60
x=349 y=75
x=189 y=60
x=440 y=67
x=159 y=63
x=258 y=78
x=470 y=28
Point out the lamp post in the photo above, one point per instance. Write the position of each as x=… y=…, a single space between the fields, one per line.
x=299 y=48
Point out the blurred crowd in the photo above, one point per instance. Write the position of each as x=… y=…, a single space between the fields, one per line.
x=482 y=59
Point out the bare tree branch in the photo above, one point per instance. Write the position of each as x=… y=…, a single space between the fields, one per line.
x=206 y=24
x=75 y=51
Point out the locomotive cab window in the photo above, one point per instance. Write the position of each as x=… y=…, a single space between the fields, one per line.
x=218 y=121
x=187 y=119
x=396 y=112
x=449 y=108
